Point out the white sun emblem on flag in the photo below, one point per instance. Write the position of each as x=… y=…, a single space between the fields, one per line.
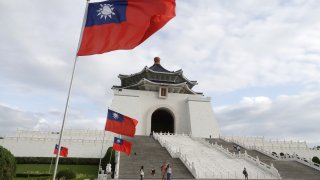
x=115 y=116
x=105 y=11
x=119 y=141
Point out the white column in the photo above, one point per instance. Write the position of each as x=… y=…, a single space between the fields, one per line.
x=116 y=176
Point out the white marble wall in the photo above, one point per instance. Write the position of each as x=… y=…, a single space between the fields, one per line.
x=81 y=143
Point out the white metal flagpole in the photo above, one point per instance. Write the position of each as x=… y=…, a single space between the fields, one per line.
x=67 y=103
x=50 y=165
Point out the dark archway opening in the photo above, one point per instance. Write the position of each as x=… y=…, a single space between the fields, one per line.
x=162 y=121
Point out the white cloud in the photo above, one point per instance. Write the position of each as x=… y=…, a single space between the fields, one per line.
x=286 y=116
x=13 y=118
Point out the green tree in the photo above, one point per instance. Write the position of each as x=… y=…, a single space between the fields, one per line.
x=109 y=157
x=7 y=164
x=316 y=159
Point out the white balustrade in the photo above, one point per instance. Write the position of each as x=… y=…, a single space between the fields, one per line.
x=297 y=151
x=204 y=160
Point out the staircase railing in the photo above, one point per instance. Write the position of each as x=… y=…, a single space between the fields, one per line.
x=218 y=147
x=269 y=168
x=294 y=157
x=301 y=160
x=199 y=171
x=176 y=154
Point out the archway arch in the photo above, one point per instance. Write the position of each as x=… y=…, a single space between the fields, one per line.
x=162 y=121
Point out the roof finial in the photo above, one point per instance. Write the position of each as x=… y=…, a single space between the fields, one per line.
x=156 y=60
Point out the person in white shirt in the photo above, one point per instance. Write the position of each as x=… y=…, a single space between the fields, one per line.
x=169 y=172
x=141 y=173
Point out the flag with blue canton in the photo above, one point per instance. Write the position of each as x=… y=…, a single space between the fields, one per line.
x=123 y=24
x=120 y=124
x=122 y=145
x=106 y=12
x=112 y=115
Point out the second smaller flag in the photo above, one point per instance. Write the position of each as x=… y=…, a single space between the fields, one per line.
x=122 y=145
x=63 y=150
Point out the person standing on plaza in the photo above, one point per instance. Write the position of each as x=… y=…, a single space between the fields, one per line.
x=141 y=173
x=153 y=172
x=163 y=169
x=245 y=173
x=238 y=149
x=169 y=172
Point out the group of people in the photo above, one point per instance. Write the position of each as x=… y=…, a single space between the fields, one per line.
x=166 y=172
x=165 y=169
x=236 y=148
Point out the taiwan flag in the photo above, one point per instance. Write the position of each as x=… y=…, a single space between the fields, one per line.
x=120 y=124
x=122 y=145
x=123 y=24
x=63 y=150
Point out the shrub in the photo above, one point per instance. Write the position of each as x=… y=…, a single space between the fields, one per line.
x=28 y=175
x=274 y=153
x=281 y=154
x=66 y=173
x=316 y=159
x=47 y=160
x=7 y=164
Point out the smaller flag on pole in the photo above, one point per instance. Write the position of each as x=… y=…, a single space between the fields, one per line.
x=63 y=151
x=120 y=124
x=122 y=145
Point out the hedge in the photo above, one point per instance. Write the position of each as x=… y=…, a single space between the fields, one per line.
x=47 y=160
x=33 y=175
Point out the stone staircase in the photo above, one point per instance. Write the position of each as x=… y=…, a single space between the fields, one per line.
x=289 y=170
x=148 y=153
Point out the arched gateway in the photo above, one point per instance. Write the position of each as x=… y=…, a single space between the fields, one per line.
x=164 y=101
x=162 y=121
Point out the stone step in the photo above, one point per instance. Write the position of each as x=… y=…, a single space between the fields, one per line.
x=148 y=153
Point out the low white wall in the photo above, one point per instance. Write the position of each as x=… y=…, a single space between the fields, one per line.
x=42 y=144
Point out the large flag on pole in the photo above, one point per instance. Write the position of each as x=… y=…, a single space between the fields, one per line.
x=120 y=124
x=122 y=145
x=123 y=24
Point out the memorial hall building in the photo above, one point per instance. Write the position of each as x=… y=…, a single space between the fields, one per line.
x=163 y=101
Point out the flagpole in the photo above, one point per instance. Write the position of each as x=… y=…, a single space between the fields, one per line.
x=118 y=164
x=104 y=134
x=70 y=86
x=50 y=164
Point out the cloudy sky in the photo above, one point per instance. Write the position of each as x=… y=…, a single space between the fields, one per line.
x=258 y=60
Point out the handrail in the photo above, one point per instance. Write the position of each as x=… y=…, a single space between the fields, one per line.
x=275 y=156
x=247 y=157
x=199 y=170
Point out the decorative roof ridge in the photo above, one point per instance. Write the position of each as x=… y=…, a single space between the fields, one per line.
x=146 y=69
x=164 y=84
x=140 y=72
x=191 y=82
